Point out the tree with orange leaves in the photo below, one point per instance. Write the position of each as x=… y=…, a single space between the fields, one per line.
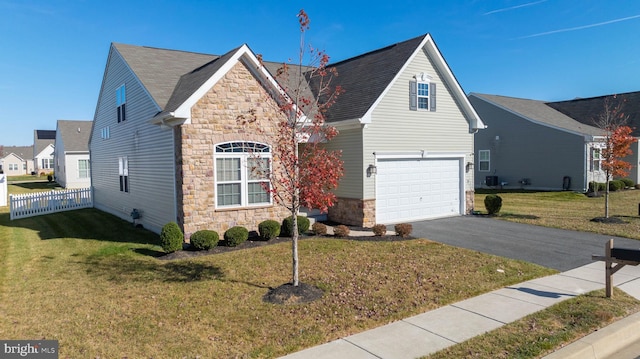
x=306 y=172
x=618 y=141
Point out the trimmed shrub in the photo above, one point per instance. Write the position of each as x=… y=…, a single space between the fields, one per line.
x=171 y=237
x=236 y=235
x=204 y=239
x=598 y=186
x=628 y=182
x=341 y=231
x=379 y=230
x=616 y=185
x=319 y=229
x=403 y=229
x=493 y=203
x=269 y=229
x=287 y=225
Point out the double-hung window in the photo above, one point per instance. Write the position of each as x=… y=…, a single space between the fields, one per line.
x=242 y=174
x=422 y=93
x=484 y=160
x=83 y=169
x=121 y=103
x=47 y=163
x=123 y=171
x=13 y=166
x=596 y=159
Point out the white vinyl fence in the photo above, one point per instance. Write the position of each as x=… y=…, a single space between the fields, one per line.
x=35 y=204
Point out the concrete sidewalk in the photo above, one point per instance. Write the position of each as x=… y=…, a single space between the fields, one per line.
x=437 y=329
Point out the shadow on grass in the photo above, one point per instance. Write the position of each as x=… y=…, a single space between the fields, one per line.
x=128 y=269
x=518 y=216
x=87 y=223
x=38 y=185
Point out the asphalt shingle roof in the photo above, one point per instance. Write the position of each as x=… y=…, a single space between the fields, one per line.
x=160 y=70
x=24 y=152
x=366 y=76
x=43 y=138
x=586 y=110
x=539 y=111
x=75 y=135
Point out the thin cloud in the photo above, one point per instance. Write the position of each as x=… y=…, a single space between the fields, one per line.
x=581 y=27
x=514 y=7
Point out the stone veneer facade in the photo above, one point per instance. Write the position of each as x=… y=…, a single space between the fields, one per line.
x=214 y=119
x=358 y=212
x=354 y=212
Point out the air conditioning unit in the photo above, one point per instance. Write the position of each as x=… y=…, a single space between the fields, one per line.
x=491 y=181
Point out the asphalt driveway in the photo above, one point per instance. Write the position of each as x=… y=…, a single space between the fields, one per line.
x=554 y=248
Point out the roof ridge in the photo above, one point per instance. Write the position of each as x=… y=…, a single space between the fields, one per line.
x=385 y=48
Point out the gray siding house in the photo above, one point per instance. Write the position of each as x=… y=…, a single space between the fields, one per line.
x=585 y=110
x=529 y=144
x=71 y=153
x=166 y=140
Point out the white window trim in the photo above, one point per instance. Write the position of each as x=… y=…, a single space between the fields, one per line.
x=480 y=160
x=123 y=175
x=87 y=169
x=593 y=160
x=244 y=175
x=121 y=103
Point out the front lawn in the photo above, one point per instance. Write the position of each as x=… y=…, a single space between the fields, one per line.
x=569 y=210
x=93 y=282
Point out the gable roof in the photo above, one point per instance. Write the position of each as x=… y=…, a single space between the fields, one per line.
x=586 y=110
x=160 y=70
x=24 y=152
x=75 y=135
x=173 y=77
x=366 y=76
x=42 y=139
x=539 y=112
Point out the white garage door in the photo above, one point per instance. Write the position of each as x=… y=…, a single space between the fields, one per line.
x=415 y=189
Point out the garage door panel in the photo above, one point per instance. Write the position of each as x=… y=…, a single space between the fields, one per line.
x=417 y=189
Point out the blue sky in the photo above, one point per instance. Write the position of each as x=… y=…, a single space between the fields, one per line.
x=53 y=52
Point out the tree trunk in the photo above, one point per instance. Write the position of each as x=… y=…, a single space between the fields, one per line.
x=606 y=199
x=294 y=248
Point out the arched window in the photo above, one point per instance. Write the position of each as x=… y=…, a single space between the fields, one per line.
x=242 y=174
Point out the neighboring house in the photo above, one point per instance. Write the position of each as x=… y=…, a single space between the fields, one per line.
x=16 y=160
x=586 y=110
x=167 y=142
x=529 y=144
x=43 y=141
x=71 y=154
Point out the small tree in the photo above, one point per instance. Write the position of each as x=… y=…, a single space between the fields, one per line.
x=618 y=142
x=305 y=175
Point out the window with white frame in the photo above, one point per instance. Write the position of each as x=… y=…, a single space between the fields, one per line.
x=422 y=93
x=242 y=174
x=13 y=166
x=596 y=159
x=121 y=102
x=84 y=171
x=105 y=133
x=47 y=163
x=484 y=160
x=123 y=172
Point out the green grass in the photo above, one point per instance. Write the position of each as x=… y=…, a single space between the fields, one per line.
x=569 y=210
x=94 y=282
x=26 y=178
x=541 y=333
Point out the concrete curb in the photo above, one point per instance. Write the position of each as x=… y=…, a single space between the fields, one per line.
x=604 y=342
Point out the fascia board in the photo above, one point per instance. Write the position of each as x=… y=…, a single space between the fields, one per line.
x=243 y=54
